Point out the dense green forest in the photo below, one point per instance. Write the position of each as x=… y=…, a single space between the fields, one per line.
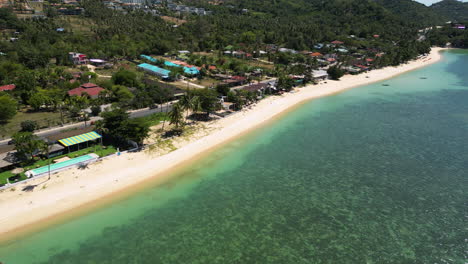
x=34 y=54
x=293 y=24
x=413 y=11
x=452 y=10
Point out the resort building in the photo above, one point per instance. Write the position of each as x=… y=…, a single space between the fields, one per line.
x=155 y=70
x=77 y=58
x=319 y=75
x=90 y=89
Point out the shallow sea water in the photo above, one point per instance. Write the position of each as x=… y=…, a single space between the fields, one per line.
x=377 y=174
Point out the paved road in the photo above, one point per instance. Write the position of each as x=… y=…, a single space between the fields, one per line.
x=59 y=129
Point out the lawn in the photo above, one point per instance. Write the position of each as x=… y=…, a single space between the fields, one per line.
x=207 y=82
x=44 y=119
x=153 y=119
x=100 y=151
x=77 y=24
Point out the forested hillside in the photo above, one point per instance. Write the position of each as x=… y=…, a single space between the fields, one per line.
x=413 y=12
x=452 y=9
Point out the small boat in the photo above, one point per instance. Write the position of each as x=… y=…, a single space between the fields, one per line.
x=385 y=84
x=423 y=78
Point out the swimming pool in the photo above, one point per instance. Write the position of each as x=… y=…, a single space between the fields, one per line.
x=61 y=165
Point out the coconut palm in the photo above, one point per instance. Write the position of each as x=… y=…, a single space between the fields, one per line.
x=196 y=104
x=176 y=116
x=187 y=103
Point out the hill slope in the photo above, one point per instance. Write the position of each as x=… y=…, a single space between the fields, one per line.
x=452 y=9
x=413 y=12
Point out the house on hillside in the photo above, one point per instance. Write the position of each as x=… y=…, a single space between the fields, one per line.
x=77 y=58
x=235 y=81
x=337 y=43
x=316 y=55
x=90 y=89
x=9 y=87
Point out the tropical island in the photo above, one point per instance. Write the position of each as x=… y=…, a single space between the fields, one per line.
x=89 y=87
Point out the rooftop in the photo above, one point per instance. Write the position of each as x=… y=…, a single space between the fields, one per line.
x=8 y=87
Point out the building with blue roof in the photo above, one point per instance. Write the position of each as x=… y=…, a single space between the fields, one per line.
x=155 y=70
x=187 y=70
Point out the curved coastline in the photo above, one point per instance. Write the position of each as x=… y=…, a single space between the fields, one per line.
x=74 y=192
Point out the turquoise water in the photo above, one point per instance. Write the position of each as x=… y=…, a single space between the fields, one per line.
x=373 y=175
x=64 y=164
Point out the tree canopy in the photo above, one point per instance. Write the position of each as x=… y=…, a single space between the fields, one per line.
x=7 y=108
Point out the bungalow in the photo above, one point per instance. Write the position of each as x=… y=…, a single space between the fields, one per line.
x=221 y=76
x=258 y=88
x=352 y=70
x=239 y=54
x=97 y=62
x=235 y=81
x=362 y=67
x=337 y=42
x=319 y=75
x=316 y=55
x=369 y=61
x=8 y=87
x=91 y=89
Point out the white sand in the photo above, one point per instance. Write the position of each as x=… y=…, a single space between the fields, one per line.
x=76 y=190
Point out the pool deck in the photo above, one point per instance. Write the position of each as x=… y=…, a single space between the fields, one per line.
x=56 y=167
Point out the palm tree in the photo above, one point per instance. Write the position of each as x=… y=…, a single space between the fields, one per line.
x=186 y=103
x=176 y=116
x=196 y=104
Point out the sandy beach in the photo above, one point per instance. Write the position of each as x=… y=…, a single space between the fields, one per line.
x=72 y=192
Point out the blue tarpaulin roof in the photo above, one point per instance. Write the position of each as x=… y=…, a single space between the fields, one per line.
x=155 y=69
x=188 y=70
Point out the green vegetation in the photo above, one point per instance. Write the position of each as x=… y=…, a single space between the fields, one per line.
x=335 y=73
x=8 y=174
x=27 y=145
x=117 y=125
x=448 y=34
x=452 y=10
x=153 y=119
x=101 y=151
x=7 y=108
x=44 y=119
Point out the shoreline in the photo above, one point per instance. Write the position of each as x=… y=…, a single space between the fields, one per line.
x=74 y=192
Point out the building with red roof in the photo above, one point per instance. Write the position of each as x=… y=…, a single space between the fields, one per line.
x=316 y=54
x=91 y=89
x=337 y=42
x=8 y=87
